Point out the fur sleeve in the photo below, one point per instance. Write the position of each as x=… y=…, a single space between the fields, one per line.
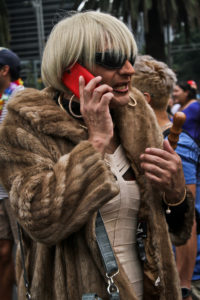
x=52 y=200
x=180 y=221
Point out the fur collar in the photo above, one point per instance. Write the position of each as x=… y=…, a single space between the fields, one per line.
x=137 y=125
x=43 y=114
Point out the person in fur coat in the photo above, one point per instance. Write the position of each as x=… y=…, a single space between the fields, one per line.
x=63 y=158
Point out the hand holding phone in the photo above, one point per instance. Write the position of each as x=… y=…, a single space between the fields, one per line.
x=71 y=78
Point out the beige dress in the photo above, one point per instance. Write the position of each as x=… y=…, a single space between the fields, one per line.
x=120 y=218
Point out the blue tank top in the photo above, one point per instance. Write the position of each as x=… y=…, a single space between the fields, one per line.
x=192 y=123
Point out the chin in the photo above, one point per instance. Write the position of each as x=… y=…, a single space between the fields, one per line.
x=120 y=100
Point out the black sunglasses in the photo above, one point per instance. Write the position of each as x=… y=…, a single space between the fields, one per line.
x=112 y=60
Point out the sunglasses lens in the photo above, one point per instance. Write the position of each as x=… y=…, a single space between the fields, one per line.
x=109 y=60
x=112 y=60
x=132 y=60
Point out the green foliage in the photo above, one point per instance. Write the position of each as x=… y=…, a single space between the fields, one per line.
x=167 y=12
x=172 y=12
x=186 y=63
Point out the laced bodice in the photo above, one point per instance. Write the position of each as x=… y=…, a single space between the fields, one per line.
x=120 y=218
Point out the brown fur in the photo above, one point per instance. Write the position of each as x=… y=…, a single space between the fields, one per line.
x=55 y=196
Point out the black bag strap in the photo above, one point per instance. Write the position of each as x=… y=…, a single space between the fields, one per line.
x=109 y=261
x=90 y=297
x=108 y=256
x=105 y=247
x=114 y=296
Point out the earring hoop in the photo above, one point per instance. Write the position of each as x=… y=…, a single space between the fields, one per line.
x=70 y=108
x=133 y=102
x=59 y=101
x=70 y=105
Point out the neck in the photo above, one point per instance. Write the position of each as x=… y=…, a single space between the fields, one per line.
x=162 y=118
x=4 y=86
x=187 y=104
x=2 y=89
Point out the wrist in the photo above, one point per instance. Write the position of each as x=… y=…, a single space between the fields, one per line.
x=175 y=197
x=185 y=282
x=174 y=203
x=98 y=143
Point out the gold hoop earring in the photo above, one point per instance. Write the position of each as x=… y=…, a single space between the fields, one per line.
x=133 y=102
x=70 y=105
x=59 y=102
x=70 y=108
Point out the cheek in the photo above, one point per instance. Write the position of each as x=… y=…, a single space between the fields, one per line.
x=179 y=94
x=107 y=80
x=107 y=75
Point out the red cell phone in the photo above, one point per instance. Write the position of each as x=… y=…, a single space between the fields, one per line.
x=71 y=78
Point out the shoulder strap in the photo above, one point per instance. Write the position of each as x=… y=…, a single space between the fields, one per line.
x=166 y=132
x=90 y=297
x=109 y=261
x=108 y=258
x=105 y=247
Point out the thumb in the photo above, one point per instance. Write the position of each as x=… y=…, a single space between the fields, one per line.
x=167 y=147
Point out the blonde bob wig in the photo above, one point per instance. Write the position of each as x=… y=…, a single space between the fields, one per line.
x=77 y=38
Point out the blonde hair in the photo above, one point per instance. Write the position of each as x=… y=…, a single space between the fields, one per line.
x=79 y=37
x=154 y=77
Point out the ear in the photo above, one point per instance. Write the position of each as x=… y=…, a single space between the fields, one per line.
x=186 y=93
x=147 y=97
x=5 y=70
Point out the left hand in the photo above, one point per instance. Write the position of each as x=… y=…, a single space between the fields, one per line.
x=163 y=167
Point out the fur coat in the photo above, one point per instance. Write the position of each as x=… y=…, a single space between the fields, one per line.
x=57 y=181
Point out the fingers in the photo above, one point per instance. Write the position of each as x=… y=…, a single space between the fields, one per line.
x=157 y=181
x=91 y=84
x=94 y=98
x=167 y=147
x=94 y=106
x=100 y=91
x=160 y=153
x=81 y=86
x=162 y=166
x=157 y=171
x=153 y=158
x=87 y=90
x=157 y=163
x=93 y=91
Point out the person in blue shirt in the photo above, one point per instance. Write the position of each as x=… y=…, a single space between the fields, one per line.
x=157 y=81
x=189 y=151
x=185 y=94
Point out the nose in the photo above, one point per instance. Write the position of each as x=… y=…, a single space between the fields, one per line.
x=127 y=69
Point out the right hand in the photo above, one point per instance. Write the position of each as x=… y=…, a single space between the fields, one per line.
x=94 y=106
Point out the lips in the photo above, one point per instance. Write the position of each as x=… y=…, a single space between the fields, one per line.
x=121 y=88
